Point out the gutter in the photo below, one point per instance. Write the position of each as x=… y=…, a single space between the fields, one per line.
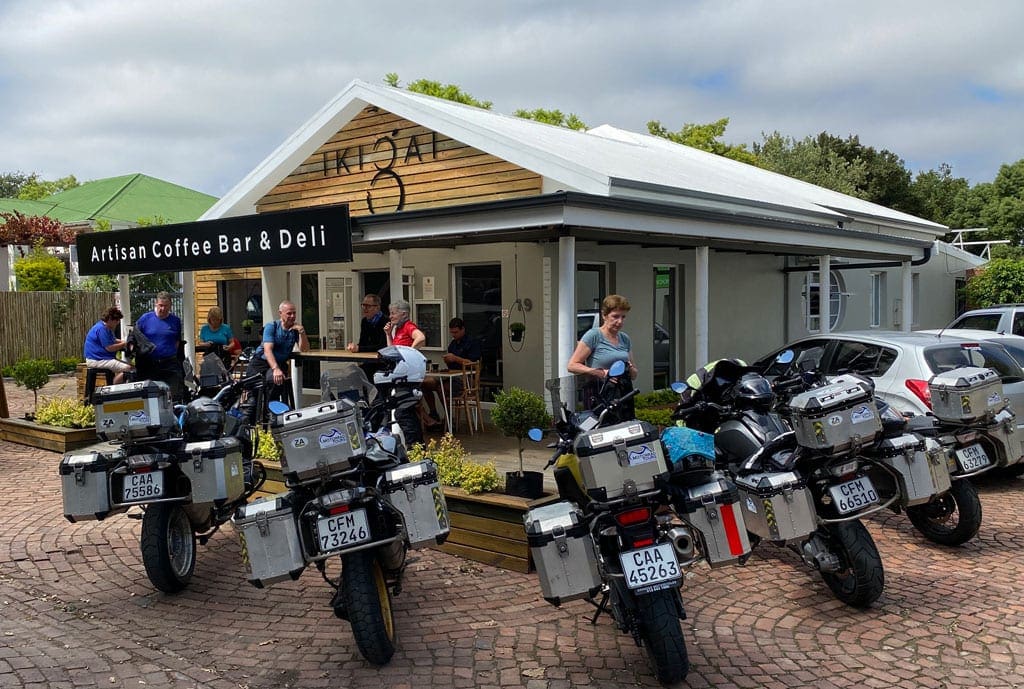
x=926 y=256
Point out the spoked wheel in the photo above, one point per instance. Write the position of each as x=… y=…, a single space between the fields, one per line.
x=368 y=605
x=952 y=518
x=860 y=579
x=168 y=547
x=662 y=635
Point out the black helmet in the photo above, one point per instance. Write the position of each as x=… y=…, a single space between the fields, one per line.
x=753 y=391
x=204 y=419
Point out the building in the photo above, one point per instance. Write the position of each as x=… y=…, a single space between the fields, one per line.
x=499 y=220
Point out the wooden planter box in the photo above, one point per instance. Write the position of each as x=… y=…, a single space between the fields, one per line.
x=486 y=527
x=51 y=438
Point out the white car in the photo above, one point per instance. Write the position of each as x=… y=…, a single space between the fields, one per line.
x=900 y=364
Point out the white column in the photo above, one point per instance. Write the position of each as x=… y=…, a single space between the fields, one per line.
x=700 y=304
x=188 y=315
x=123 y=284
x=5 y=269
x=908 y=297
x=566 y=336
x=395 y=272
x=824 y=294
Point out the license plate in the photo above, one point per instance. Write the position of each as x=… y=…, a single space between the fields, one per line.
x=647 y=568
x=853 y=495
x=972 y=458
x=342 y=530
x=142 y=487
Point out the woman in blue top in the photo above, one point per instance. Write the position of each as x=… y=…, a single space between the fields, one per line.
x=216 y=332
x=600 y=347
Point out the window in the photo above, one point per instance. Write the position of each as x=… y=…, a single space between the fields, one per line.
x=1018 y=322
x=861 y=357
x=877 y=297
x=980 y=321
x=812 y=306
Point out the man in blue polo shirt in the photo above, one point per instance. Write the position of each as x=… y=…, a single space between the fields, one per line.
x=101 y=345
x=164 y=363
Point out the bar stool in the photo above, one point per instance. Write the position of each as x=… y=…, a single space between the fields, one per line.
x=90 y=380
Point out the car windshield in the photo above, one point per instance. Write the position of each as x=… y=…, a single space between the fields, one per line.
x=947 y=357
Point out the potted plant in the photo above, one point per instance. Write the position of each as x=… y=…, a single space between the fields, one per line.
x=247 y=326
x=515 y=412
x=516 y=331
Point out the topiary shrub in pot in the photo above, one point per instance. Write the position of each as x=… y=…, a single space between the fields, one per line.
x=515 y=412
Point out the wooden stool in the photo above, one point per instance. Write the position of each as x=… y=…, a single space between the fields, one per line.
x=90 y=381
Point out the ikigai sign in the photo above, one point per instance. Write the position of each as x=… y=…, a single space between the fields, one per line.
x=297 y=237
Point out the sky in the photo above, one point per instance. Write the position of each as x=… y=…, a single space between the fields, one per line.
x=199 y=92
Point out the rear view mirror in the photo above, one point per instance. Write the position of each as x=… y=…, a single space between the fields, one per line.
x=784 y=357
x=617 y=369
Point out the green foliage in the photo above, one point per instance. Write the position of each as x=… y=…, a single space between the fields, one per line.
x=1001 y=282
x=32 y=374
x=656 y=416
x=66 y=413
x=706 y=138
x=554 y=117
x=516 y=411
x=656 y=398
x=805 y=160
x=11 y=183
x=40 y=271
x=35 y=188
x=937 y=193
x=67 y=364
x=455 y=467
x=435 y=88
x=267 y=446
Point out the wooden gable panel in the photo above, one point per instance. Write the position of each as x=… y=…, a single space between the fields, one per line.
x=389 y=163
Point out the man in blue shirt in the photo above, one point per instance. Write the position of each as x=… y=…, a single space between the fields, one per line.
x=101 y=345
x=462 y=350
x=164 y=363
x=279 y=339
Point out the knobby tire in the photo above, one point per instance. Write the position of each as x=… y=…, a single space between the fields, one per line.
x=368 y=604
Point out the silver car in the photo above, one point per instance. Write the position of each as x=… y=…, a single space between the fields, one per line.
x=901 y=363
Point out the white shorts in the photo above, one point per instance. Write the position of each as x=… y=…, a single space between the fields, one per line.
x=115 y=365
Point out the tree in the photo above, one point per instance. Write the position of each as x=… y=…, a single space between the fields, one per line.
x=35 y=188
x=17 y=228
x=1000 y=282
x=40 y=271
x=11 y=183
x=555 y=117
x=434 y=88
x=1003 y=213
x=806 y=160
x=706 y=138
x=936 y=192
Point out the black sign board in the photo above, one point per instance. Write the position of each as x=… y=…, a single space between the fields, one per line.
x=298 y=237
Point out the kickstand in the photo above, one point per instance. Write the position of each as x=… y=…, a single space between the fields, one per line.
x=601 y=607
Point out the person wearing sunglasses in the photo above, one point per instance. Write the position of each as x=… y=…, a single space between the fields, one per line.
x=371 y=328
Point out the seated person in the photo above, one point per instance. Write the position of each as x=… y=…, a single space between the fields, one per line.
x=462 y=350
x=101 y=346
x=279 y=340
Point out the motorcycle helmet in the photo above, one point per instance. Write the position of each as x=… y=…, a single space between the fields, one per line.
x=753 y=391
x=400 y=364
x=204 y=419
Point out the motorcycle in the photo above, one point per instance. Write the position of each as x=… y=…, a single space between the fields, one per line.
x=806 y=487
x=353 y=498
x=944 y=508
x=631 y=520
x=187 y=471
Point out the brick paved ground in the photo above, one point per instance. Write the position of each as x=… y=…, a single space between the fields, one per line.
x=76 y=610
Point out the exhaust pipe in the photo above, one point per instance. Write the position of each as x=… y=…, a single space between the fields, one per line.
x=682 y=542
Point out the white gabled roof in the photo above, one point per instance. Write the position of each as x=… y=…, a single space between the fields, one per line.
x=604 y=161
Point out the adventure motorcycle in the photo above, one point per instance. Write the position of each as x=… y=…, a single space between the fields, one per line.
x=353 y=498
x=187 y=472
x=805 y=488
x=631 y=520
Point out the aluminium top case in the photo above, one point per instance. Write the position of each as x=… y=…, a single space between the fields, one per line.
x=967 y=394
x=620 y=459
x=142 y=409
x=836 y=418
x=318 y=441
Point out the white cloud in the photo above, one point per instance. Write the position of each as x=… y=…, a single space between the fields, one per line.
x=198 y=92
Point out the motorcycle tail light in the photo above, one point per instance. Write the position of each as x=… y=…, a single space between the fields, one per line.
x=920 y=390
x=631 y=517
x=339 y=509
x=643 y=542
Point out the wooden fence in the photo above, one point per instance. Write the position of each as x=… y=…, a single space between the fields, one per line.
x=47 y=325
